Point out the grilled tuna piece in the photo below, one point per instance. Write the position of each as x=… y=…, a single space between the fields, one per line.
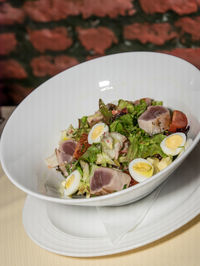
x=95 y=118
x=155 y=119
x=65 y=154
x=107 y=180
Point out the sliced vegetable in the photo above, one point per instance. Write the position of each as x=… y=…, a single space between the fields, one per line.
x=179 y=121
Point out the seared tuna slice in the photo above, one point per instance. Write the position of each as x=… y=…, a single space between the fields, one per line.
x=107 y=180
x=155 y=119
x=65 y=154
x=67 y=148
x=95 y=118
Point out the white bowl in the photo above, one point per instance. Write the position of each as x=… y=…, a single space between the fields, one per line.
x=33 y=130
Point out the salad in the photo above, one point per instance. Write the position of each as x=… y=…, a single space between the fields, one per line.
x=119 y=146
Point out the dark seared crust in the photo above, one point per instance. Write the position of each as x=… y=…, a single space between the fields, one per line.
x=153 y=112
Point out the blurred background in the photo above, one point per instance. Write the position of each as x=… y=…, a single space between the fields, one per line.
x=40 y=38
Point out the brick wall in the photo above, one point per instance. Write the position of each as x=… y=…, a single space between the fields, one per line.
x=40 y=38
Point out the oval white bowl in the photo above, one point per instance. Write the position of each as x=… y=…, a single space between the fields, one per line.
x=33 y=130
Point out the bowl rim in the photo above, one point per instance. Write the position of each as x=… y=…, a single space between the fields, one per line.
x=73 y=201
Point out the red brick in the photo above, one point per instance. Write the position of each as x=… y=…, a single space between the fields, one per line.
x=154 y=33
x=12 y=69
x=181 y=7
x=17 y=93
x=7 y=43
x=53 y=10
x=191 y=26
x=10 y=15
x=56 y=39
x=111 y=8
x=49 y=66
x=191 y=55
x=96 y=39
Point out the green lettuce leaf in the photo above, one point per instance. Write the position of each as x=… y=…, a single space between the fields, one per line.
x=143 y=146
x=125 y=104
x=107 y=114
x=157 y=103
x=123 y=125
x=139 y=109
x=90 y=155
x=83 y=122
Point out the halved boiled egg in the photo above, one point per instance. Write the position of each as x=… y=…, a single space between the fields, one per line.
x=71 y=184
x=140 y=169
x=173 y=144
x=96 y=133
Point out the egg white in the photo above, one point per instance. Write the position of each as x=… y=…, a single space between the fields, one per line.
x=74 y=183
x=137 y=176
x=175 y=151
x=188 y=143
x=97 y=139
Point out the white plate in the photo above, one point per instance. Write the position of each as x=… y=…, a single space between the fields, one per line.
x=77 y=231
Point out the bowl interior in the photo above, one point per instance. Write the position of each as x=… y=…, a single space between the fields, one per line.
x=33 y=130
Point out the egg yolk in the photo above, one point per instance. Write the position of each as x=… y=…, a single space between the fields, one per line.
x=173 y=142
x=69 y=181
x=97 y=132
x=144 y=169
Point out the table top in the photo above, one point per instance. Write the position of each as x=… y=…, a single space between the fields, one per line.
x=179 y=248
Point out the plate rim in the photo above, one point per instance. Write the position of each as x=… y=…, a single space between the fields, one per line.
x=173 y=224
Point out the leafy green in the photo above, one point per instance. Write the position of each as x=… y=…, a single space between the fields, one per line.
x=85 y=170
x=125 y=104
x=142 y=146
x=123 y=125
x=117 y=126
x=107 y=114
x=90 y=155
x=79 y=169
x=104 y=159
x=133 y=149
x=83 y=122
x=139 y=109
x=157 y=103
x=70 y=167
x=83 y=128
x=84 y=187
